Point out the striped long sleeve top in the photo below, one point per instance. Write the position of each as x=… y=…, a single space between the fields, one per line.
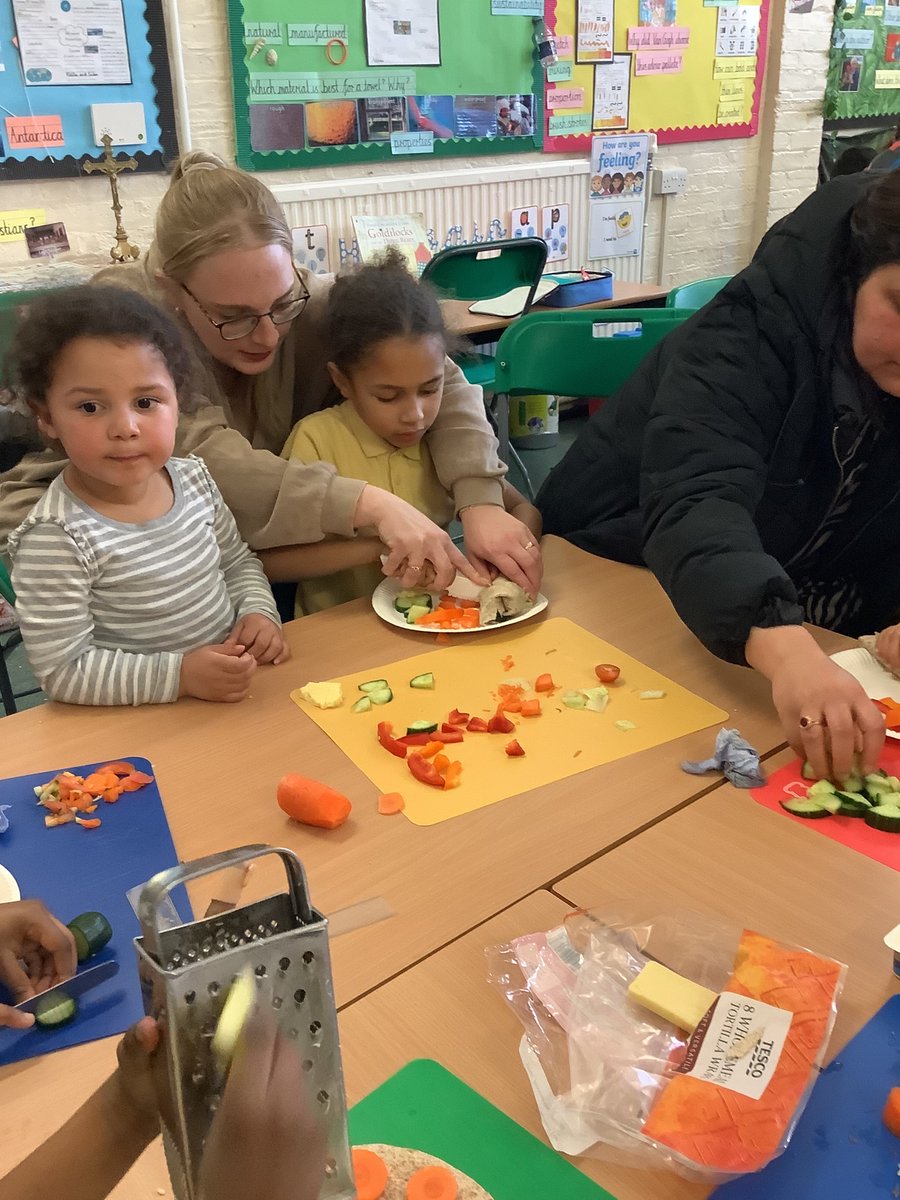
x=108 y=610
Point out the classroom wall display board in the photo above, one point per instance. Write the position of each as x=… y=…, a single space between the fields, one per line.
x=864 y=62
x=342 y=81
x=72 y=70
x=688 y=70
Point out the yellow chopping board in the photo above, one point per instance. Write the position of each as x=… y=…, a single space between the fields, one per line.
x=559 y=743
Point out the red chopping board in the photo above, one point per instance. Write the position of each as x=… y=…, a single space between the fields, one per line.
x=851 y=831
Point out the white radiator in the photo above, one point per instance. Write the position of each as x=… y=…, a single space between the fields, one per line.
x=462 y=202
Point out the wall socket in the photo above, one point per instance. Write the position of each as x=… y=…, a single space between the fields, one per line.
x=669 y=181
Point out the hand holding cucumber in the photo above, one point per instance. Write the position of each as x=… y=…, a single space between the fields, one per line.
x=36 y=952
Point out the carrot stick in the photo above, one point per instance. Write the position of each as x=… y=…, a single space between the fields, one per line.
x=370 y=1174
x=118 y=768
x=891 y=1114
x=390 y=803
x=311 y=802
x=432 y=1183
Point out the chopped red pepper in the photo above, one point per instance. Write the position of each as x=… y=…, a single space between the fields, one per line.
x=425 y=771
x=477 y=725
x=500 y=723
x=387 y=739
x=607 y=672
x=514 y=750
x=544 y=683
x=456 y=718
x=448 y=727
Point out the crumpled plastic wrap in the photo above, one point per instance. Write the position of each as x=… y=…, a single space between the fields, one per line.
x=598 y=1062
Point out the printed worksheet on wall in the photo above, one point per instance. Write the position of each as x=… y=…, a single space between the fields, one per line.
x=76 y=42
x=403 y=33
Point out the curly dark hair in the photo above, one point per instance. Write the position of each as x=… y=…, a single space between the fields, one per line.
x=377 y=301
x=875 y=227
x=54 y=320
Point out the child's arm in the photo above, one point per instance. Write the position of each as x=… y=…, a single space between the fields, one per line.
x=287 y=564
x=516 y=504
x=86 y=1158
x=52 y=580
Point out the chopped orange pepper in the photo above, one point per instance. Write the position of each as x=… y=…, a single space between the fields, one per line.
x=431 y=748
x=441 y=762
x=452 y=774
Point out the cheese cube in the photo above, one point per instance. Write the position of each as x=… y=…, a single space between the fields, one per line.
x=671 y=996
x=323 y=695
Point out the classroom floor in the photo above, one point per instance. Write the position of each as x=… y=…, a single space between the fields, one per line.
x=538 y=463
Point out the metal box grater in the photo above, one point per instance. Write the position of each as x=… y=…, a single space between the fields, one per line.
x=185 y=975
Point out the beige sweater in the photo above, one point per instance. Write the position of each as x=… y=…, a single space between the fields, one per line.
x=238 y=425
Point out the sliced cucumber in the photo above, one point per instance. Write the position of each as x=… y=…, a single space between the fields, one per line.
x=885 y=817
x=91 y=932
x=876 y=777
x=363 y=704
x=805 y=808
x=852 y=783
x=854 y=798
x=373 y=685
x=422 y=727
x=410 y=597
x=852 y=805
x=381 y=696
x=832 y=803
x=574 y=699
x=58 y=1008
x=824 y=787
x=413 y=614
x=424 y=681
x=808 y=772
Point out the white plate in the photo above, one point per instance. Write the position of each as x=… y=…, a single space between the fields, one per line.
x=868 y=671
x=9 y=889
x=386 y=593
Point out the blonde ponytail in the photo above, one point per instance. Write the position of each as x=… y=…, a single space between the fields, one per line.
x=210 y=207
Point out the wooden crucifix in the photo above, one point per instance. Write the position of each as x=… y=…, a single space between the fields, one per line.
x=123 y=250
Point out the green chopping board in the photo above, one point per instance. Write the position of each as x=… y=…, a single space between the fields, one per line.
x=425 y=1107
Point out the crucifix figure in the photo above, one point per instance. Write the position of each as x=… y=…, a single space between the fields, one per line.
x=123 y=250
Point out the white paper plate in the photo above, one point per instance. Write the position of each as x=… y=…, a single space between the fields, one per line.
x=9 y=889
x=868 y=671
x=386 y=593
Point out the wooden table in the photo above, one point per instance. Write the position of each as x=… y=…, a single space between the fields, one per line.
x=441 y=881
x=475 y=325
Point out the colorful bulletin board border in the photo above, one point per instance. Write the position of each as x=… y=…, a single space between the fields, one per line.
x=46 y=113
x=682 y=105
x=283 y=76
x=864 y=62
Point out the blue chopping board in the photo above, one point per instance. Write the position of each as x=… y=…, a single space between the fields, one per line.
x=75 y=870
x=840 y=1149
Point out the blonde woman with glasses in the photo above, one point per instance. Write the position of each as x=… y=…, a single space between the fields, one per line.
x=222 y=261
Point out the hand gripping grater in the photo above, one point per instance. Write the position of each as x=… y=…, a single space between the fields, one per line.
x=185 y=975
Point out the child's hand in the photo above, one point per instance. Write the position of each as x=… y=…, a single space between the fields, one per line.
x=30 y=934
x=265 y=1143
x=141 y=1073
x=888 y=646
x=261 y=637
x=220 y=673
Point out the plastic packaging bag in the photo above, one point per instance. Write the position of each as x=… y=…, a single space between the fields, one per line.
x=615 y=1081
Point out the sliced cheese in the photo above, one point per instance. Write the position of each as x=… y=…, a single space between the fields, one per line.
x=671 y=996
x=233 y=1018
x=323 y=695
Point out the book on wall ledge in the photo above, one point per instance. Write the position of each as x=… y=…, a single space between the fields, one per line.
x=512 y=303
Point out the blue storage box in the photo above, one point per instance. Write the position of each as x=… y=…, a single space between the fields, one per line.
x=573 y=289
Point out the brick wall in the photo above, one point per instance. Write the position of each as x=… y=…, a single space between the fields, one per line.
x=735 y=188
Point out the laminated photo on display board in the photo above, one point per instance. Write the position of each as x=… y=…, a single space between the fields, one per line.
x=46 y=241
x=594 y=31
x=475 y=116
x=657 y=12
x=515 y=116
x=431 y=114
x=277 y=127
x=381 y=116
x=618 y=177
x=403 y=33
x=331 y=123
x=612 y=92
x=851 y=70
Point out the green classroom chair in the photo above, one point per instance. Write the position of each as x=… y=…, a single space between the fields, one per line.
x=695 y=295
x=577 y=352
x=8 y=640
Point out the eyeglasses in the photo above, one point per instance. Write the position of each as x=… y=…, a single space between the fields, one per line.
x=236 y=328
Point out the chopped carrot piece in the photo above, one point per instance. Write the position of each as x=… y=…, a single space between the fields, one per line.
x=507 y=662
x=891 y=1114
x=452 y=774
x=544 y=683
x=431 y=748
x=370 y=1174
x=468 y=603
x=312 y=803
x=432 y=1183
x=390 y=803
x=118 y=768
x=141 y=778
x=530 y=708
x=441 y=762
x=53 y=805
x=89 y=822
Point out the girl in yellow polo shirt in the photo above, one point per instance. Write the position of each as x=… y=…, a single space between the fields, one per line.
x=389 y=346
